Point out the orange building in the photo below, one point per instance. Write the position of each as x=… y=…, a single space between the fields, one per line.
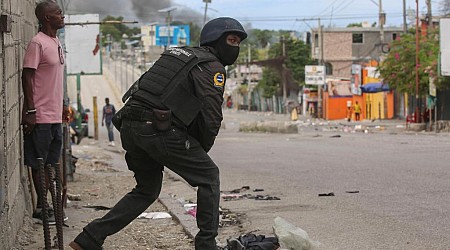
x=341 y=96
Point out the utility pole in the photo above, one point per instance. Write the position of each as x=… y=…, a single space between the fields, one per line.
x=249 y=98
x=417 y=113
x=206 y=10
x=405 y=25
x=430 y=17
x=168 y=29
x=320 y=86
x=168 y=20
x=382 y=20
x=283 y=78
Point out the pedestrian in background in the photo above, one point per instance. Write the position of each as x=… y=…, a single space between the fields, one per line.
x=171 y=119
x=357 y=110
x=229 y=102
x=43 y=109
x=108 y=112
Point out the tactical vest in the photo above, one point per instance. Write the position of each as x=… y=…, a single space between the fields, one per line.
x=166 y=84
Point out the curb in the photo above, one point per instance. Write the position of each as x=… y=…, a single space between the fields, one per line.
x=188 y=222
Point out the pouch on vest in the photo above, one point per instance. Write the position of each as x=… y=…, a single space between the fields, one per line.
x=162 y=119
x=133 y=89
x=117 y=119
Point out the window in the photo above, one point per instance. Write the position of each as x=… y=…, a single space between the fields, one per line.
x=316 y=40
x=328 y=69
x=394 y=36
x=357 y=38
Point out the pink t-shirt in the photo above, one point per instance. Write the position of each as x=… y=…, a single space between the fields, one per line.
x=44 y=54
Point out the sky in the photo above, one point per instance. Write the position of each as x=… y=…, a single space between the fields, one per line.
x=297 y=14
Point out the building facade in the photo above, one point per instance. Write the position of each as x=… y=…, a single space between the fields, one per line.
x=339 y=48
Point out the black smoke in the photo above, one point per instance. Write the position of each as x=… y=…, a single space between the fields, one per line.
x=144 y=11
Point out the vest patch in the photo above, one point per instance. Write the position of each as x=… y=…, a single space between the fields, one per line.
x=219 y=79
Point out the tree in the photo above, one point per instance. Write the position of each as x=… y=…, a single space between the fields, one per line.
x=298 y=54
x=263 y=37
x=116 y=30
x=398 y=68
x=354 y=25
x=269 y=83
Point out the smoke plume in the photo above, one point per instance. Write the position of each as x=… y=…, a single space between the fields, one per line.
x=144 y=11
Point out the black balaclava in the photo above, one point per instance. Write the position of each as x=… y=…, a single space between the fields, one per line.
x=226 y=53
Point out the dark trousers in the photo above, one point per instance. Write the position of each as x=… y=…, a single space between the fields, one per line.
x=147 y=152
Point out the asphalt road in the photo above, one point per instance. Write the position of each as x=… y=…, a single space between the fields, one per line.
x=402 y=179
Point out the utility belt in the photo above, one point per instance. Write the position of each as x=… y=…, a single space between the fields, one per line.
x=160 y=119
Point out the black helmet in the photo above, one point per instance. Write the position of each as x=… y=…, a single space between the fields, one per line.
x=215 y=28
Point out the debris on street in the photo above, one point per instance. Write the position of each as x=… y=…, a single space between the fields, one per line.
x=327 y=194
x=154 y=215
x=292 y=237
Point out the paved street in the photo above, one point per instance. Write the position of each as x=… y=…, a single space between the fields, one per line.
x=401 y=179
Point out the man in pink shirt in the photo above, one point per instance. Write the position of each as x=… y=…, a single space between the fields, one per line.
x=42 y=83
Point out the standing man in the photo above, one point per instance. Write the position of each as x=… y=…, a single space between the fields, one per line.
x=42 y=83
x=108 y=112
x=357 y=110
x=172 y=117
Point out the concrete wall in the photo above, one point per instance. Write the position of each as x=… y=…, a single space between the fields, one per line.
x=15 y=198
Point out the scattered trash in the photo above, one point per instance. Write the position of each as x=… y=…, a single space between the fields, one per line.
x=292 y=237
x=244 y=188
x=97 y=208
x=327 y=194
x=352 y=192
x=191 y=208
x=228 y=218
x=154 y=215
x=335 y=136
x=192 y=211
x=235 y=195
x=252 y=241
x=266 y=197
x=229 y=197
x=74 y=197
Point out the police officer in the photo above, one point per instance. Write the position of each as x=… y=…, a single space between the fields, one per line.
x=171 y=118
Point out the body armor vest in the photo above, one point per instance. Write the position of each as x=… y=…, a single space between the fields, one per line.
x=166 y=84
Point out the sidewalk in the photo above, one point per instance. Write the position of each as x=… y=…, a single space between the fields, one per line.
x=101 y=179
